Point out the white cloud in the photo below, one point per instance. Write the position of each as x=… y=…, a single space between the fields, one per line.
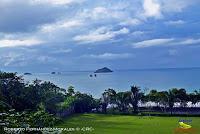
x=101 y=34
x=157 y=8
x=103 y=13
x=166 y=42
x=109 y=56
x=15 y=43
x=153 y=42
x=131 y=22
x=176 y=22
x=56 y=2
x=152 y=8
x=176 y=5
x=46 y=59
x=189 y=41
x=137 y=33
x=99 y=11
x=10 y=58
x=62 y=25
x=62 y=51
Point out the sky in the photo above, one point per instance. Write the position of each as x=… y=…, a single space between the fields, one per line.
x=77 y=35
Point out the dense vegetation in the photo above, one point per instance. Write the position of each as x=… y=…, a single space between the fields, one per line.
x=37 y=104
x=43 y=104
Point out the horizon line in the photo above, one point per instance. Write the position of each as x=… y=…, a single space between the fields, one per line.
x=130 y=69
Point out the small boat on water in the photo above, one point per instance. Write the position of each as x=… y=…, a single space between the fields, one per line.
x=55 y=72
x=91 y=75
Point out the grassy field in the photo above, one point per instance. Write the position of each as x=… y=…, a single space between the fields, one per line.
x=121 y=124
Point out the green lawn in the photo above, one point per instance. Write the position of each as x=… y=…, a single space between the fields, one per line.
x=121 y=124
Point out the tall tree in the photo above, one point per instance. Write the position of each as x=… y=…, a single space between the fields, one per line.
x=70 y=91
x=83 y=103
x=12 y=89
x=123 y=99
x=104 y=101
x=153 y=96
x=135 y=97
x=194 y=97
x=182 y=97
x=108 y=97
x=171 y=99
x=162 y=99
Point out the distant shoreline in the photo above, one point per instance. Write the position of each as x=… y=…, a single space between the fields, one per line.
x=116 y=70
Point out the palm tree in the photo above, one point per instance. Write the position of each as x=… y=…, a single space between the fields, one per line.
x=135 y=97
x=171 y=99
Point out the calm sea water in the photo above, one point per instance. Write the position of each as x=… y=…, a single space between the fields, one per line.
x=160 y=79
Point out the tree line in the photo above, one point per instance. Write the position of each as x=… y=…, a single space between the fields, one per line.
x=129 y=100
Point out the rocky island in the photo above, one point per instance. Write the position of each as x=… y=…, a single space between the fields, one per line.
x=53 y=72
x=103 y=70
x=27 y=74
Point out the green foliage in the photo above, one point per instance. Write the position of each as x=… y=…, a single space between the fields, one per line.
x=123 y=99
x=31 y=104
x=153 y=96
x=42 y=119
x=67 y=103
x=39 y=119
x=70 y=91
x=83 y=103
x=4 y=106
x=20 y=96
x=78 y=102
x=109 y=96
x=12 y=91
x=194 y=97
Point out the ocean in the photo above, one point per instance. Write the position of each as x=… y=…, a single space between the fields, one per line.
x=121 y=80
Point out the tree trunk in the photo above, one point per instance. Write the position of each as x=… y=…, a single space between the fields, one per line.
x=104 y=108
x=171 y=110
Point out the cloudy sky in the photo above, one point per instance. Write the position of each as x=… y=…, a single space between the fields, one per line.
x=64 y=35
